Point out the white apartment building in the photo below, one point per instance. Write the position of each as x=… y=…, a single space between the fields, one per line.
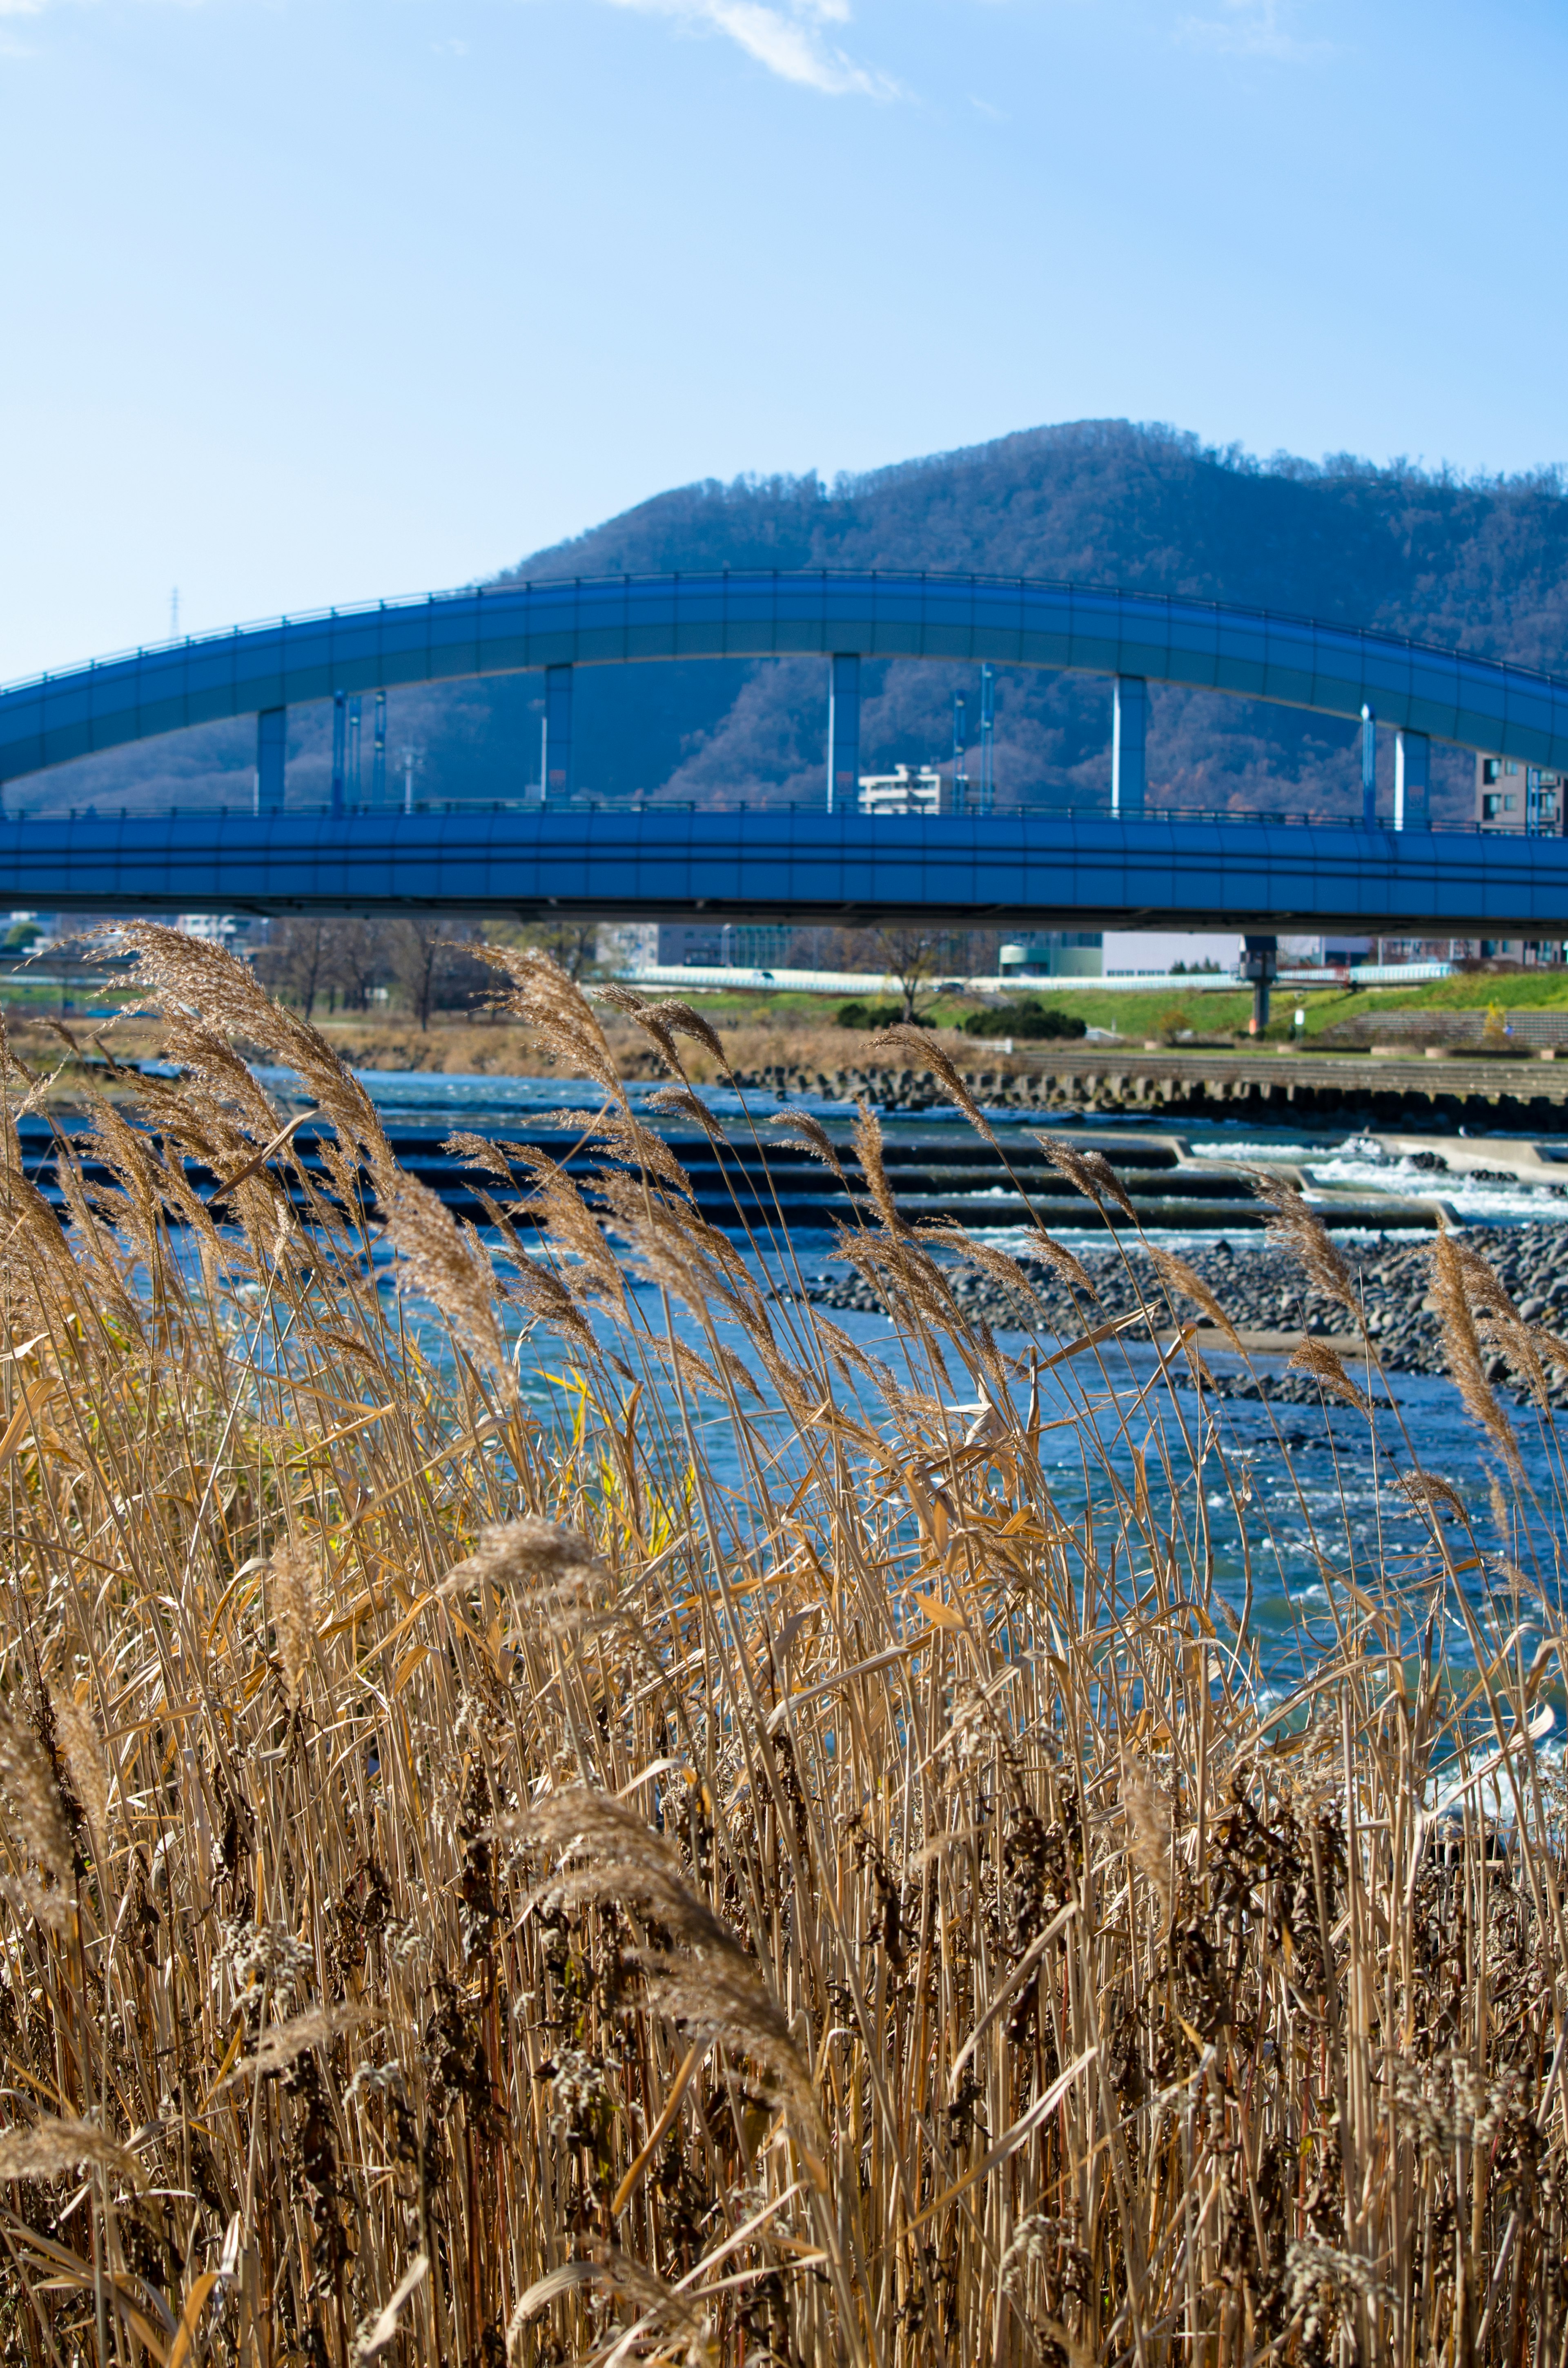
x=1511 y=795
x=908 y=789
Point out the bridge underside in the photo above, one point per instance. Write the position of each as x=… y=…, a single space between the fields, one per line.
x=1012 y=870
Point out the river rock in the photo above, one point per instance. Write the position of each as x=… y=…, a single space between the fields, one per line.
x=1263 y=1290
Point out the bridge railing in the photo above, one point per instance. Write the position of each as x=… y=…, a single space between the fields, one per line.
x=1276 y=817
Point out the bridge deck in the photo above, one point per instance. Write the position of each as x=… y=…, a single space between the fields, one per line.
x=1006 y=871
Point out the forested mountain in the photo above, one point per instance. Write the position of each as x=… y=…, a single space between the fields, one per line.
x=1481 y=565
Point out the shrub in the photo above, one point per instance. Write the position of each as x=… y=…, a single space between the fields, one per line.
x=876 y=1014
x=1030 y=1020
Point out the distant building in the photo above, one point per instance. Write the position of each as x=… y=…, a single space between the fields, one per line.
x=724 y=945
x=1053 y=953
x=693 y=943
x=1510 y=795
x=1337 y=951
x=908 y=789
x=626 y=945
x=1154 y=953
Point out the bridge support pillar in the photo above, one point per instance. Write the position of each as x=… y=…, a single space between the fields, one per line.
x=556 y=773
x=1129 y=734
x=843 y=734
x=1412 y=773
x=271 y=748
x=1260 y=962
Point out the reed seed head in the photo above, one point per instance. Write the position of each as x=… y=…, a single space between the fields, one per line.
x=1324 y=1364
x=1294 y=1227
x=915 y=1044
x=54 y=2145
x=38 y=1822
x=801 y=1127
x=292 y=1585
x=1462 y=1346
x=79 y=1740
x=1090 y=1171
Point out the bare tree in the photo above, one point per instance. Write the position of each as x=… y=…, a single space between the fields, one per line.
x=298 y=961
x=912 y=958
x=432 y=965
x=575 y=945
x=360 y=961
x=416 y=944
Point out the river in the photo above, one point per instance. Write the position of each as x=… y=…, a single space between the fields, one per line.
x=1318 y=1482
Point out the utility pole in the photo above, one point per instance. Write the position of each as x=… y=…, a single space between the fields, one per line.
x=174 y=614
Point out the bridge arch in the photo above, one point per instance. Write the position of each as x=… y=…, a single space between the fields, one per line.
x=1336 y=670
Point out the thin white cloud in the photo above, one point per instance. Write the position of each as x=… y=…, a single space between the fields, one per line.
x=788 y=37
x=14 y=44
x=792 y=38
x=1250 y=28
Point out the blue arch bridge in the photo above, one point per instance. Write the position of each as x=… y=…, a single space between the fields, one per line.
x=1128 y=866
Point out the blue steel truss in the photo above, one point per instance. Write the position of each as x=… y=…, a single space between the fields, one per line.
x=1330 y=669
x=794 y=865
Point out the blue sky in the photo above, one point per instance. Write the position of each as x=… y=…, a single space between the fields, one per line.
x=307 y=301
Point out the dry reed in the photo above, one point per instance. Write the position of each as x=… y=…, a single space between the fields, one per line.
x=483 y=1881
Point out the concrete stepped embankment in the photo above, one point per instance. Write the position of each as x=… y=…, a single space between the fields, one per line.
x=939 y=1174
x=1415 y=1093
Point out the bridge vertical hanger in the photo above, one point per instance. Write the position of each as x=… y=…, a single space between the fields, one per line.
x=556 y=757
x=988 y=738
x=1368 y=770
x=843 y=734
x=352 y=777
x=961 y=753
x=339 y=750
x=1130 y=734
x=271 y=748
x=379 y=754
x=1412 y=777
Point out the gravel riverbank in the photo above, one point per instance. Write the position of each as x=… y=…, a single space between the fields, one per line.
x=1262 y=1290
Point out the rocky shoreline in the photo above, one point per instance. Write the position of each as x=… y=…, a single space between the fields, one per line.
x=1263 y=1290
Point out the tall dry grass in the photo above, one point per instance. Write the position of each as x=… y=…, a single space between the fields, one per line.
x=485 y=1876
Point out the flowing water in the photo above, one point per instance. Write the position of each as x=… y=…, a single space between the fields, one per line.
x=1316 y=1490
